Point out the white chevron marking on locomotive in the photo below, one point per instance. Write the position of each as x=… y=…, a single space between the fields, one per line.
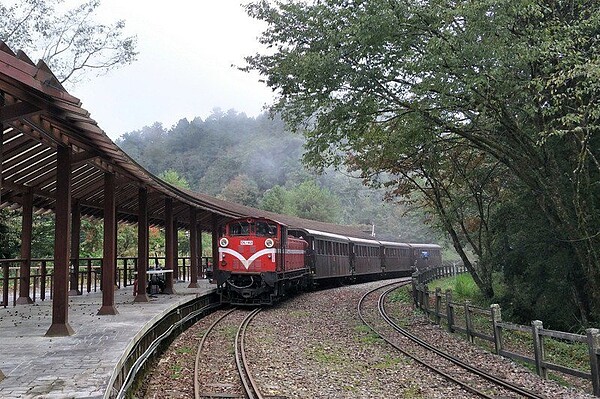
x=248 y=262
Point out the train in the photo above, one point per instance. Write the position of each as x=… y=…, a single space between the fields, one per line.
x=261 y=260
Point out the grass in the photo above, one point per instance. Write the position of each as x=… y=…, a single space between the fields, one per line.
x=176 y=371
x=412 y=392
x=463 y=288
x=184 y=350
x=326 y=355
x=401 y=295
x=388 y=362
x=366 y=335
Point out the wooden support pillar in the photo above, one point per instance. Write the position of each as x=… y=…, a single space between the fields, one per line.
x=1 y=151
x=175 y=251
x=62 y=235
x=201 y=267
x=75 y=240
x=169 y=246
x=215 y=244
x=26 y=236
x=142 y=262
x=193 y=249
x=108 y=258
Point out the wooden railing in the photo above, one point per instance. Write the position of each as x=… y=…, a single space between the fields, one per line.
x=89 y=276
x=486 y=324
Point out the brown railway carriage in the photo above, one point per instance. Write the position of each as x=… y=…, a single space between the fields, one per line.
x=396 y=257
x=426 y=256
x=328 y=255
x=365 y=256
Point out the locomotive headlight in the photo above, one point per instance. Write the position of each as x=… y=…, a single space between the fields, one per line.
x=223 y=242
x=269 y=243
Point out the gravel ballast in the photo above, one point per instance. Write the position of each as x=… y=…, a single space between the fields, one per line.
x=315 y=346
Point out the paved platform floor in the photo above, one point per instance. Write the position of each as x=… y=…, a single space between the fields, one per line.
x=79 y=366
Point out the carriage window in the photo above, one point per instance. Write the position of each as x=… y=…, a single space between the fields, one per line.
x=239 y=228
x=424 y=254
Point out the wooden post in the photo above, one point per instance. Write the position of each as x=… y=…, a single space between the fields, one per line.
x=75 y=232
x=593 y=339
x=110 y=247
x=62 y=237
x=415 y=292
x=169 y=246
x=449 y=311
x=1 y=144
x=193 y=248
x=26 y=236
x=5 y=279
x=426 y=299
x=538 y=348
x=468 y=322
x=175 y=251
x=215 y=244
x=497 y=330
x=142 y=263
x=438 y=305
x=202 y=266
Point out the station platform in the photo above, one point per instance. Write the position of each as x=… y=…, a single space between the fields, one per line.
x=81 y=365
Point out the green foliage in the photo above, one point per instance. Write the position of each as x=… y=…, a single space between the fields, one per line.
x=92 y=236
x=465 y=287
x=309 y=201
x=306 y=200
x=70 y=41
x=539 y=269
x=464 y=101
x=172 y=177
x=242 y=190
x=10 y=240
x=257 y=162
x=274 y=199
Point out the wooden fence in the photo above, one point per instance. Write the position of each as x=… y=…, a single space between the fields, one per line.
x=89 y=277
x=486 y=324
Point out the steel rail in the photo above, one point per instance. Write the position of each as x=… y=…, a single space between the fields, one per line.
x=453 y=359
x=408 y=354
x=249 y=383
x=199 y=351
x=141 y=360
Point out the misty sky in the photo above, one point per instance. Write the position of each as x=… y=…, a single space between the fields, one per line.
x=186 y=49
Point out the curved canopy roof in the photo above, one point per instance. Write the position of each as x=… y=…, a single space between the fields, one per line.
x=37 y=115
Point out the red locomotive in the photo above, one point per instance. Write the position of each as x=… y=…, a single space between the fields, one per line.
x=258 y=261
x=261 y=259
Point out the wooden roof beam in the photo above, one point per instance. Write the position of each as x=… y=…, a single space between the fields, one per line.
x=9 y=113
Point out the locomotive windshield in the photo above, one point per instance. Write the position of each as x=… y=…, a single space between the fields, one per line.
x=259 y=228
x=266 y=229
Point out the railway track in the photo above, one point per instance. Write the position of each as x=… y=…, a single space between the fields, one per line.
x=240 y=385
x=470 y=378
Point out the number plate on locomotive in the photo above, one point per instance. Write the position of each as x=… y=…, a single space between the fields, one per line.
x=246 y=242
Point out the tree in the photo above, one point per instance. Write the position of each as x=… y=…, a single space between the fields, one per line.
x=306 y=200
x=242 y=190
x=274 y=199
x=172 y=177
x=71 y=43
x=517 y=80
